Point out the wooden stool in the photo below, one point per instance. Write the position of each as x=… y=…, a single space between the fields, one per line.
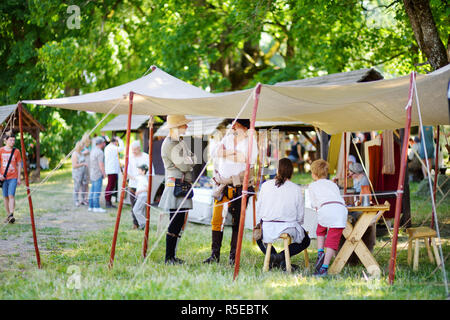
x=287 y=241
x=426 y=234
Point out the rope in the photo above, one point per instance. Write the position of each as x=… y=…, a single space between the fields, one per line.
x=195 y=182
x=431 y=187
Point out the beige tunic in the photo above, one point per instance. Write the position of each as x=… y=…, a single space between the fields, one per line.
x=178 y=163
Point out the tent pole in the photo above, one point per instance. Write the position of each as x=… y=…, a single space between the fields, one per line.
x=25 y=173
x=436 y=173
x=345 y=163
x=149 y=191
x=124 y=182
x=245 y=183
x=401 y=181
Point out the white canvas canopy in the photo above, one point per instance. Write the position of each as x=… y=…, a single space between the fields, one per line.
x=361 y=106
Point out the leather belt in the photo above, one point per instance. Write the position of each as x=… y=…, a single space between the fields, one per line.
x=331 y=202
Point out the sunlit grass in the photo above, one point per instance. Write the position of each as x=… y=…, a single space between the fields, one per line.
x=132 y=278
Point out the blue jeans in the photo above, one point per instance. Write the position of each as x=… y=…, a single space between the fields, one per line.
x=94 y=195
x=9 y=187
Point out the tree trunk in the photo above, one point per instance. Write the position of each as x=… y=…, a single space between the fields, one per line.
x=425 y=31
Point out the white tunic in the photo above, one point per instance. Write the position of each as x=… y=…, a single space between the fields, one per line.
x=226 y=166
x=329 y=215
x=112 y=165
x=282 y=211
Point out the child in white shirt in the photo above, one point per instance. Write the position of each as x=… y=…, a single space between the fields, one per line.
x=332 y=215
x=140 y=207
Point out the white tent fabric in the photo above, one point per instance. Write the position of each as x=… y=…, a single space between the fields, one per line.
x=362 y=106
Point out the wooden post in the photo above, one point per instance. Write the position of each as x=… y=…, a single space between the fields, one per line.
x=436 y=174
x=124 y=182
x=25 y=173
x=401 y=180
x=245 y=184
x=149 y=191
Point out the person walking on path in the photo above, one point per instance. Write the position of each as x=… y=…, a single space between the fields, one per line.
x=10 y=175
x=97 y=174
x=178 y=162
x=112 y=167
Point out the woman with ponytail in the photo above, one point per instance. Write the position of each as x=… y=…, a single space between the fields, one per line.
x=280 y=209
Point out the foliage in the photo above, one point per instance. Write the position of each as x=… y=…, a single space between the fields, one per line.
x=218 y=45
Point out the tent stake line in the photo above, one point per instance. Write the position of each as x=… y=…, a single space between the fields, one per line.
x=25 y=173
x=245 y=183
x=124 y=182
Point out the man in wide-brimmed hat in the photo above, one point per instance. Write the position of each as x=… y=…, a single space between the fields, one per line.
x=231 y=155
x=179 y=162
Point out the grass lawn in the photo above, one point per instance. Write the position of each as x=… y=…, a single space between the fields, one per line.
x=75 y=247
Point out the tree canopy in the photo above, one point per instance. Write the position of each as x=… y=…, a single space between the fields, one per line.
x=50 y=49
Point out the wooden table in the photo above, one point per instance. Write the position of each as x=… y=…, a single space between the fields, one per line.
x=354 y=243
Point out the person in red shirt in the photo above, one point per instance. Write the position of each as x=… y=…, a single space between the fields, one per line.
x=12 y=178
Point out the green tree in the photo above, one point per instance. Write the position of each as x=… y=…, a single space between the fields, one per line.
x=218 y=45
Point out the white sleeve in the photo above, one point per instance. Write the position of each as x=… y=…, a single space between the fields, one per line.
x=254 y=151
x=312 y=198
x=301 y=208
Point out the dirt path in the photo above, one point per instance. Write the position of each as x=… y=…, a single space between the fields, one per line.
x=55 y=229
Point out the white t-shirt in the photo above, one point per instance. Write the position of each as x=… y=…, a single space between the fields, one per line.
x=133 y=164
x=331 y=215
x=228 y=167
x=141 y=183
x=112 y=165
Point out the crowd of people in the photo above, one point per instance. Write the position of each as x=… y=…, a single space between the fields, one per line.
x=98 y=159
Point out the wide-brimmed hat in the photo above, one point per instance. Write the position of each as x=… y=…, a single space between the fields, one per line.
x=174 y=121
x=355 y=167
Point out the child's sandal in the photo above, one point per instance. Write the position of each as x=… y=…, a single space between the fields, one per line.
x=11 y=218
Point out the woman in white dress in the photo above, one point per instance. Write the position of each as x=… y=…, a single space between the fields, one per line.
x=280 y=209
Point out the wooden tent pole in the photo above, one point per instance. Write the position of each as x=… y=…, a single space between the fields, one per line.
x=149 y=190
x=25 y=173
x=124 y=182
x=245 y=183
x=401 y=181
x=436 y=173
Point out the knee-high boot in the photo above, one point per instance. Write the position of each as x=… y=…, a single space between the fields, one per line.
x=171 y=245
x=216 y=244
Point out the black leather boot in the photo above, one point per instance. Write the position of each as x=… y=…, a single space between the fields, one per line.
x=216 y=244
x=171 y=244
